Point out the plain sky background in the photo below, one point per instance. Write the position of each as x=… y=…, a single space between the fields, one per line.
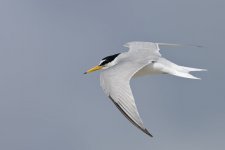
x=46 y=103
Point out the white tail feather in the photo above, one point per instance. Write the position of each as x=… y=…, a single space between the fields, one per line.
x=185 y=75
x=189 y=69
x=184 y=72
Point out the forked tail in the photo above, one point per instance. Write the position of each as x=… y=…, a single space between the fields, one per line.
x=184 y=72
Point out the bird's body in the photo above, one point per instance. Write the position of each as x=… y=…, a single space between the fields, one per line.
x=143 y=58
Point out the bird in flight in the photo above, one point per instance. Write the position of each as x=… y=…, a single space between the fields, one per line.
x=142 y=58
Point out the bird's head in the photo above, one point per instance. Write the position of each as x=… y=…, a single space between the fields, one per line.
x=105 y=63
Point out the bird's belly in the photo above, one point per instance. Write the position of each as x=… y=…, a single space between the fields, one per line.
x=151 y=69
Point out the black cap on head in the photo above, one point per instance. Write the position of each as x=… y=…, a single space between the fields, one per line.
x=108 y=59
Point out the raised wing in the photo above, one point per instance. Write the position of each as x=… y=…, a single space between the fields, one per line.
x=115 y=83
x=149 y=48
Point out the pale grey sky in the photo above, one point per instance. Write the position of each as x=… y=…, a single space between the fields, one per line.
x=46 y=103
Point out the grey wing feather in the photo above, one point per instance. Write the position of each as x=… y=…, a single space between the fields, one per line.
x=115 y=83
x=178 y=45
x=147 y=48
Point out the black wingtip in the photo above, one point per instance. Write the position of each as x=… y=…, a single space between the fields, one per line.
x=147 y=132
x=128 y=117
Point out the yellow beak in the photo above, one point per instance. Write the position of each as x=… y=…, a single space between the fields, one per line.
x=94 y=69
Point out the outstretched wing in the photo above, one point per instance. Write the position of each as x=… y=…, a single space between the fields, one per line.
x=115 y=83
x=151 y=48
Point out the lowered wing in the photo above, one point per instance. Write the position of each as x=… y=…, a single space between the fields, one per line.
x=115 y=82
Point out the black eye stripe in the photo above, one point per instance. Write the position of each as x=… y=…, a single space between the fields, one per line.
x=108 y=59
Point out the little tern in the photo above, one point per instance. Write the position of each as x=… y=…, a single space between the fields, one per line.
x=142 y=58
